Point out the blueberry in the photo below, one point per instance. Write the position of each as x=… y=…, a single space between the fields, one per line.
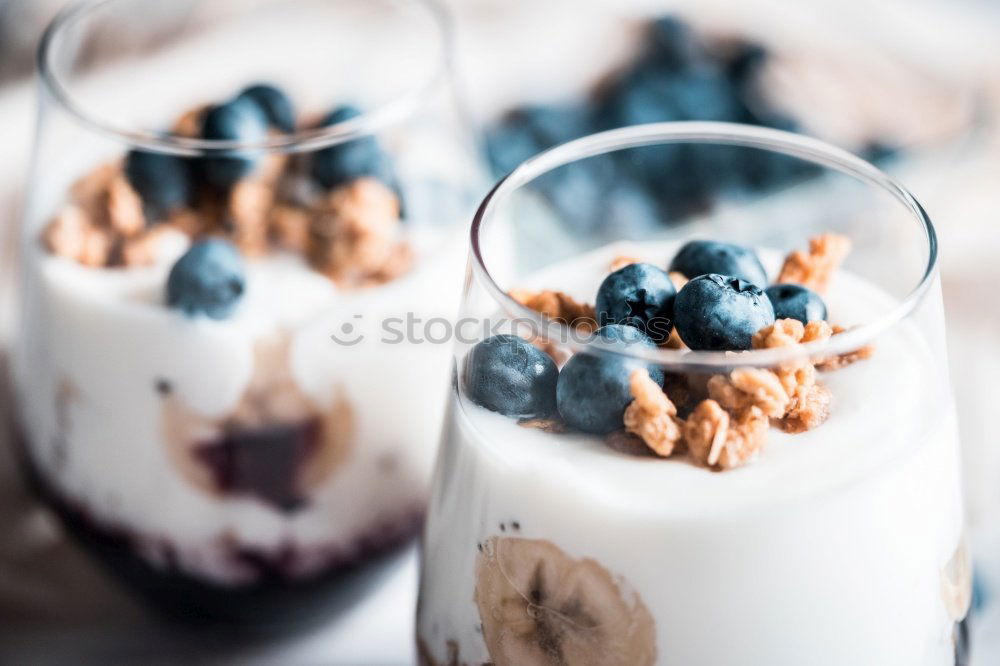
x=576 y=191
x=878 y=151
x=641 y=95
x=745 y=61
x=792 y=301
x=162 y=181
x=718 y=313
x=593 y=389
x=358 y=158
x=639 y=295
x=238 y=120
x=629 y=210
x=529 y=130
x=274 y=103
x=765 y=170
x=507 y=145
x=673 y=43
x=509 y=375
x=208 y=279
x=702 y=257
x=648 y=93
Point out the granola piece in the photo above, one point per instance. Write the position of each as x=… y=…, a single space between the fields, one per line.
x=250 y=203
x=124 y=207
x=809 y=402
x=65 y=235
x=186 y=221
x=749 y=388
x=652 y=416
x=814 y=269
x=355 y=233
x=790 y=332
x=782 y=333
x=273 y=167
x=189 y=124
x=720 y=441
x=144 y=249
x=621 y=261
x=214 y=213
x=560 y=306
x=400 y=260
x=545 y=425
x=678 y=387
x=847 y=358
x=98 y=247
x=809 y=408
x=674 y=340
x=678 y=278
x=139 y=251
x=89 y=189
x=290 y=227
x=796 y=377
x=816 y=331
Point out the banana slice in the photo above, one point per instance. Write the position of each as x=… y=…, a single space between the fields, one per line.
x=541 y=607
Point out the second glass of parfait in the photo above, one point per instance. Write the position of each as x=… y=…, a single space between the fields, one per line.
x=226 y=198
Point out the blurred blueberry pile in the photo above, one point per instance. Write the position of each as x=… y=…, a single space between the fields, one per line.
x=677 y=76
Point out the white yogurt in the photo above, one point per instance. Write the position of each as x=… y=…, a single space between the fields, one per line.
x=828 y=550
x=95 y=342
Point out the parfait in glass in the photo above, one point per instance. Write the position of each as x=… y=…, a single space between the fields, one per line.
x=726 y=439
x=217 y=218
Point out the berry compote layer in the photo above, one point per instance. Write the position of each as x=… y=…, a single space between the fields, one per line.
x=203 y=394
x=840 y=544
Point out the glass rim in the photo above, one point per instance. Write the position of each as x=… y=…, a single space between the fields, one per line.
x=367 y=123
x=706 y=132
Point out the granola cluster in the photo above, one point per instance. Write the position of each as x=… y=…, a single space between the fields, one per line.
x=652 y=416
x=814 y=268
x=105 y=224
x=352 y=234
x=729 y=426
x=559 y=306
x=721 y=440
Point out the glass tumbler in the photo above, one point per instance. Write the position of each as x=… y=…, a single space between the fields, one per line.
x=709 y=434
x=225 y=197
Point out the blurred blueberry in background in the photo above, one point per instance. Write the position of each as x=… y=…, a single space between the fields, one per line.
x=676 y=76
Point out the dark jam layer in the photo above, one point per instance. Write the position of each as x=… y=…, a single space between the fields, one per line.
x=263 y=462
x=276 y=600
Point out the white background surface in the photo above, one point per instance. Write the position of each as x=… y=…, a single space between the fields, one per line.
x=56 y=608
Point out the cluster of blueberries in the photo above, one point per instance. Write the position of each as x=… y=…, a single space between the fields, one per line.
x=677 y=77
x=166 y=182
x=210 y=278
x=719 y=309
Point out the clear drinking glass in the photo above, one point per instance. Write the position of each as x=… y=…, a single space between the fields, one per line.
x=768 y=536
x=221 y=432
